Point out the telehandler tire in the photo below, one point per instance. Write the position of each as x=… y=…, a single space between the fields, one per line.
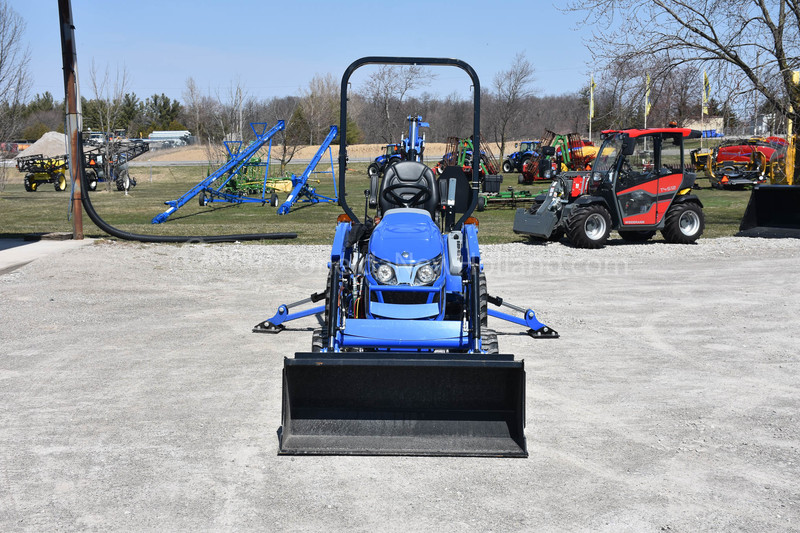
x=683 y=223
x=589 y=226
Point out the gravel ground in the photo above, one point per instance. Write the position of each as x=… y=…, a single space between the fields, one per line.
x=133 y=396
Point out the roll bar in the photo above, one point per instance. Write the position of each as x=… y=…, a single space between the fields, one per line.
x=379 y=60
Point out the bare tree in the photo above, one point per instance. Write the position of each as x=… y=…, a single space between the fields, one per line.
x=511 y=88
x=748 y=45
x=291 y=139
x=386 y=89
x=319 y=104
x=14 y=77
x=109 y=95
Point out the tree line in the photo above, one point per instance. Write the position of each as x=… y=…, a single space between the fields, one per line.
x=749 y=49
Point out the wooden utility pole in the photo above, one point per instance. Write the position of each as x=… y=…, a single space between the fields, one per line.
x=73 y=101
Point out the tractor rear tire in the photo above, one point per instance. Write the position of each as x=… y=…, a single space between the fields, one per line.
x=507 y=167
x=683 y=223
x=636 y=236
x=589 y=227
x=489 y=341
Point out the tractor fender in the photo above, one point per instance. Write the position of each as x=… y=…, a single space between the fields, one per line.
x=683 y=198
x=340 y=241
x=585 y=201
x=591 y=200
x=689 y=179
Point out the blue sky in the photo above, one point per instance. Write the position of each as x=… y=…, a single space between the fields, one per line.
x=275 y=48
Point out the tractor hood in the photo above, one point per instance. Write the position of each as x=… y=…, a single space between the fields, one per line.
x=406 y=237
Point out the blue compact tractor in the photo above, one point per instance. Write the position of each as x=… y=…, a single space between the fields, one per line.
x=525 y=151
x=405 y=363
x=391 y=154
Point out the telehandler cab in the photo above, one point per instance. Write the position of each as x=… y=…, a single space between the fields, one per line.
x=638 y=185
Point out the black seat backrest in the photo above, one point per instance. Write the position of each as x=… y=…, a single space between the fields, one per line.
x=455 y=193
x=461 y=195
x=411 y=173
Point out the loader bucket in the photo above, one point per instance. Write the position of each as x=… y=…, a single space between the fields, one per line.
x=773 y=211
x=382 y=403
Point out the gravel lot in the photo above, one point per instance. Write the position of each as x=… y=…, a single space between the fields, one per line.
x=133 y=396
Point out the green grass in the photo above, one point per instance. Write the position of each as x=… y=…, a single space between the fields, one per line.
x=46 y=210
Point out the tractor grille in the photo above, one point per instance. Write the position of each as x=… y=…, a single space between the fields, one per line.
x=404 y=297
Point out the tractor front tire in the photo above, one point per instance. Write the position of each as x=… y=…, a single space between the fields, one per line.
x=683 y=223
x=589 y=227
x=316 y=340
x=373 y=169
x=636 y=236
x=489 y=341
x=483 y=297
x=507 y=167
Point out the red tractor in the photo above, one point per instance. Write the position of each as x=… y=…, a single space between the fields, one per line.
x=637 y=186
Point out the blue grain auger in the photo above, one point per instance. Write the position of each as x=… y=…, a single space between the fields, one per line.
x=212 y=187
x=301 y=190
x=405 y=363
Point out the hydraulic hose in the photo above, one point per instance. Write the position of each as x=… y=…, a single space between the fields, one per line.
x=75 y=149
x=116 y=232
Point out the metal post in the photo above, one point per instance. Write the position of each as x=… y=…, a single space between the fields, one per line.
x=73 y=118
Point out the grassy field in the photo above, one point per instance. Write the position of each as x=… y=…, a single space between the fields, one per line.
x=47 y=210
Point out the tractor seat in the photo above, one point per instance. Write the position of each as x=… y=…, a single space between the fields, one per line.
x=414 y=174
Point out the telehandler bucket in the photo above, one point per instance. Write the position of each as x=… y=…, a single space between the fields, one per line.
x=773 y=211
x=390 y=403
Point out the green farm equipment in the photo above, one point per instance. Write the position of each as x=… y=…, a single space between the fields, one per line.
x=571 y=153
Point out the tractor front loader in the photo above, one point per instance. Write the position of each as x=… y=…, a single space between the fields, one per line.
x=773 y=210
x=405 y=363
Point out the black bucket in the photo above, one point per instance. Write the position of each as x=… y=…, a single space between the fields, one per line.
x=773 y=211
x=381 y=403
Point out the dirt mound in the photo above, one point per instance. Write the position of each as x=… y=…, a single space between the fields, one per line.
x=51 y=144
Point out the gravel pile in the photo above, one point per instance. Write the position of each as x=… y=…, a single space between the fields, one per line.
x=51 y=144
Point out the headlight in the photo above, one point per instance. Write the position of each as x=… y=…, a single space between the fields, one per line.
x=382 y=271
x=428 y=272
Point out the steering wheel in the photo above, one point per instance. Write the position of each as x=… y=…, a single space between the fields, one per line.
x=422 y=195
